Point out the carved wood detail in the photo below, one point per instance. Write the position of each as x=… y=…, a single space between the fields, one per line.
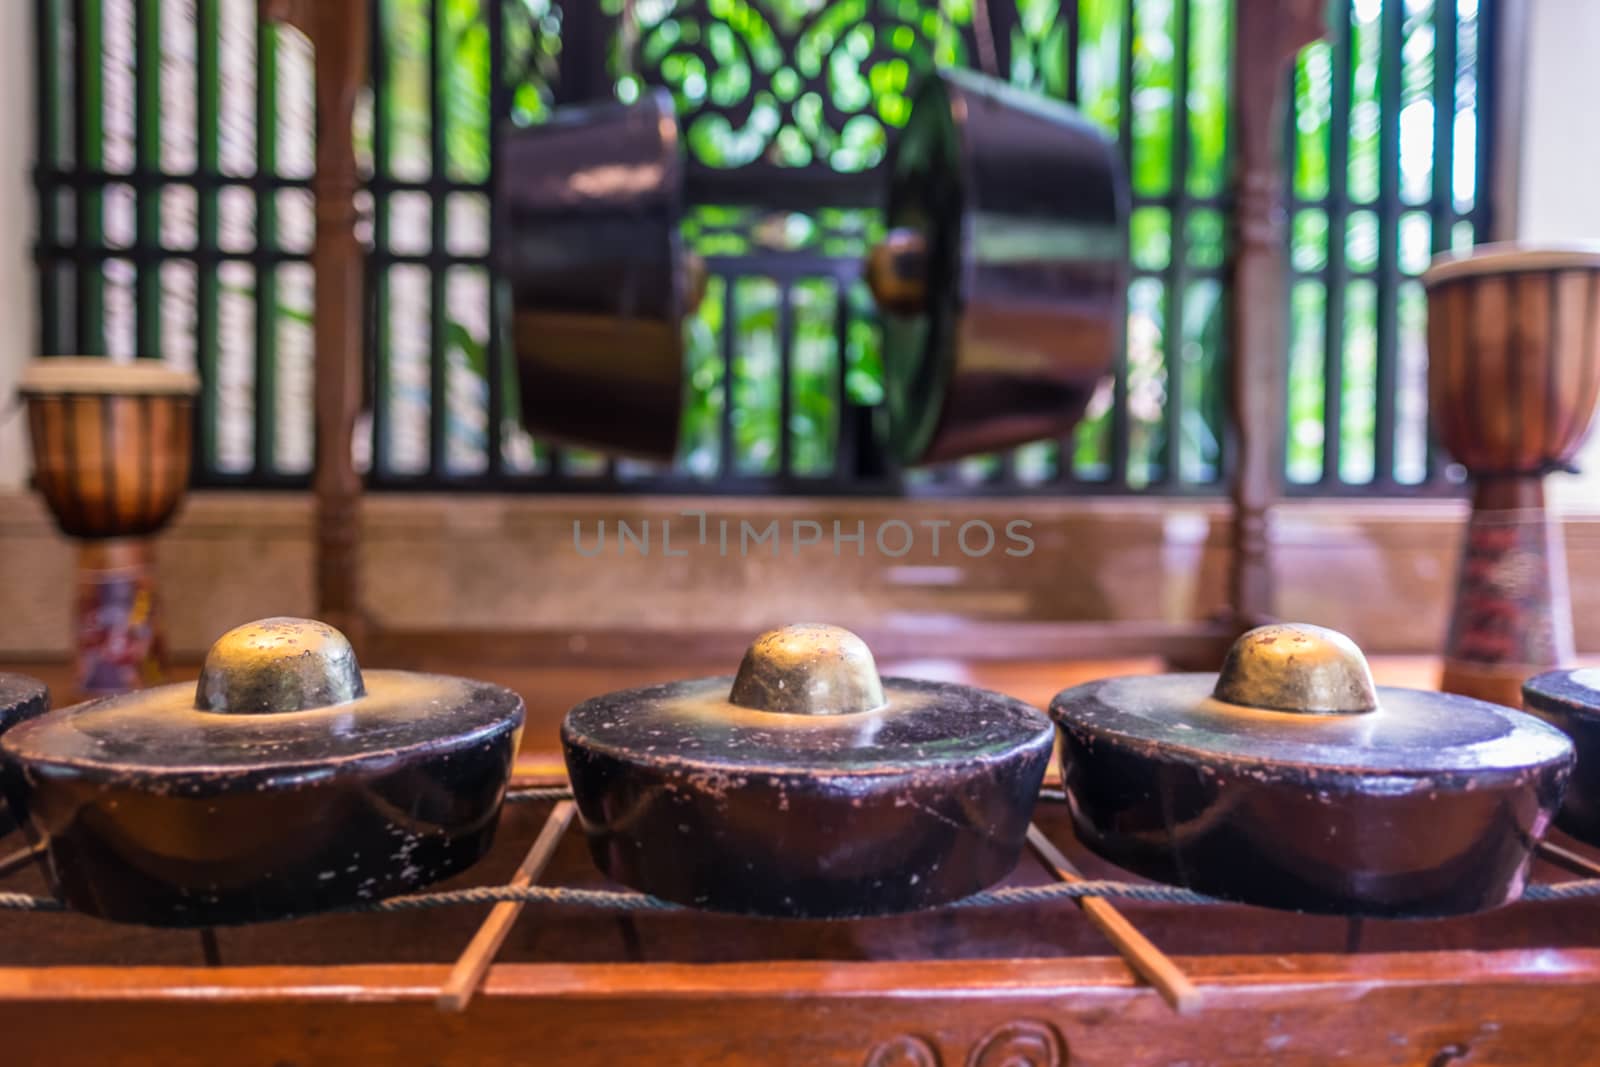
x=907 y=1050
x=1020 y=1043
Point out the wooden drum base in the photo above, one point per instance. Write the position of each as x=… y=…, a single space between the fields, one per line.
x=1512 y=617
x=117 y=638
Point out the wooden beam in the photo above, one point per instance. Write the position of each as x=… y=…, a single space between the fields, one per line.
x=339 y=33
x=1267 y=34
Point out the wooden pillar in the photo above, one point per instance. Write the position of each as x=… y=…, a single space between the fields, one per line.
x=338 y=31
x=1267 y=35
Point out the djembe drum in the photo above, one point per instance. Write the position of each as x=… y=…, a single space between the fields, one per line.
x=111 y=450
x=1513 y=378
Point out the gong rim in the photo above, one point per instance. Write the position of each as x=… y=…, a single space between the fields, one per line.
x=810 y=746
x=928 y=189
x=1332 y=746
x=1022 y=204
x=101 y=375
x=1569 y=700
x=21 y=698
x=597 y=319
x=477 y=714
x=1508 y=257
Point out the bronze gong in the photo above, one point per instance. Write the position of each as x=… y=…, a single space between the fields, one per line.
x=806 y=786
x=592 y=202
x=1003 y=280
x=1290 y=781
x=286 y=781
x=1570 y=701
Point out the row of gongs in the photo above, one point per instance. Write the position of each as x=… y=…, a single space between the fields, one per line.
x=289 y=781
x=1001 y=281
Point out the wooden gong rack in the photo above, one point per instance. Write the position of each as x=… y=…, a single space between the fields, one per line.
x=1266 y=36
x=531 y=958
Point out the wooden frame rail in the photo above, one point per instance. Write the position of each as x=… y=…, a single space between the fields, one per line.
x=1528 y=1004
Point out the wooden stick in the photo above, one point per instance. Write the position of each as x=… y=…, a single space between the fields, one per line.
x=468 y=972
x=19 y=859
x=209 y=946
x=1142 y=957
x=1572 y=861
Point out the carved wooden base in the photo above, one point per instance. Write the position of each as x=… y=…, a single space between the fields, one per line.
x=1512 y=617
x=117 y=634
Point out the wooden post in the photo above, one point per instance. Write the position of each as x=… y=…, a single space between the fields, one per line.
x=1267 y=34
x=338 y=32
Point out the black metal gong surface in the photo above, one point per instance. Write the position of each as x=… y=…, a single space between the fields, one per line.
x=1424 y=805
x=159 y=812
x=591 y=203
x=1570 y=701
x=21 y=698
x=1021 y=205
x=916 y=802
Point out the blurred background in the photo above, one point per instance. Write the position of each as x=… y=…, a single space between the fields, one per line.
x=155 y=158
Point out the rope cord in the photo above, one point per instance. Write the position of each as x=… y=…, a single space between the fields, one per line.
x=625 y=901
x=628 y=901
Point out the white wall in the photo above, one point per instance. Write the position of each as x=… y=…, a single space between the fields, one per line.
x=18 y=314
x=1559 y=159
x=1560 y=128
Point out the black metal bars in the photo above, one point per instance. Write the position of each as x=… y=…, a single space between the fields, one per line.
x=440 y=354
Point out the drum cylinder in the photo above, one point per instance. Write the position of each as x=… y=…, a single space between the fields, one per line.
x=111 y=443
x=1003 y=283
x=1513 y=380
x=111 y=452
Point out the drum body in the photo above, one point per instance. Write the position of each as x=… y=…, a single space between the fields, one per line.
x=1513 y=380
x=111 y=443
x=591 y=203
x=1022 y=207
x=111 y=454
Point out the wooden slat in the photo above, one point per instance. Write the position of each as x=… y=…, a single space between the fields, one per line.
x=1578 y=864
x=1147 y=961
x=1308 y=978
x=479 y=953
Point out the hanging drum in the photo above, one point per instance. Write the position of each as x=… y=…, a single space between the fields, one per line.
x=1570 y=701
x=1003 y=279
x=1290 y=781
x=287 y=781
x=806 y=786
x=591 y=202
